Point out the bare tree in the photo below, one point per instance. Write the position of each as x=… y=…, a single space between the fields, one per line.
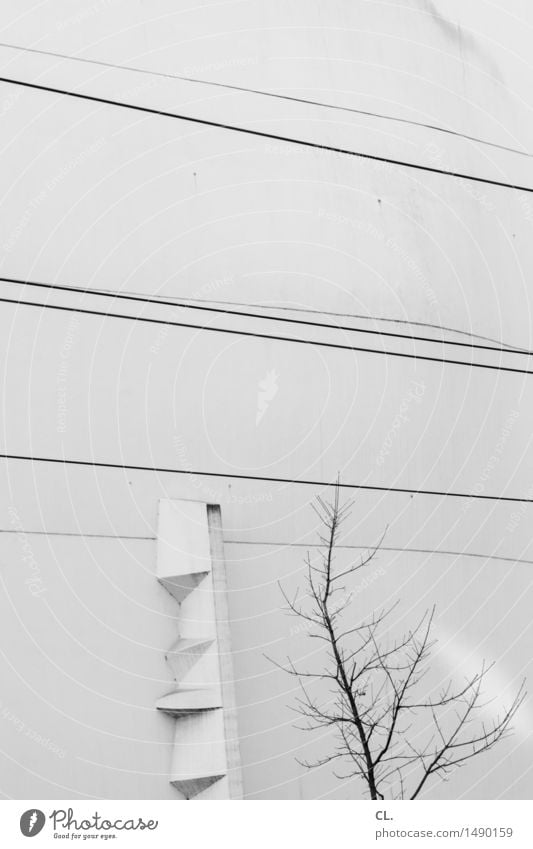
x=387 y=729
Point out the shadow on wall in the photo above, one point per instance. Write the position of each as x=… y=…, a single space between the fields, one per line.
x=462 y=39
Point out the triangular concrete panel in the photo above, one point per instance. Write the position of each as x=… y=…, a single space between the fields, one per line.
x=179 y=586
x=185 y=653
x=191 y=787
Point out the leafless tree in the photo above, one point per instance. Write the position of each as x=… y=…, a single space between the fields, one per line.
x=387 y=729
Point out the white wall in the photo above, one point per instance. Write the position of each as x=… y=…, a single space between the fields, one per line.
x=104 y=197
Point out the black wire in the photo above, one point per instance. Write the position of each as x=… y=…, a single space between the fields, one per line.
x=443 y=328
x=147 y=299
x=254 y=335
x=263 y=93
x=262 y=134
x=233 y=476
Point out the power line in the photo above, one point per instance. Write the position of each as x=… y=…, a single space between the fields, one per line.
x=254 y=335
x=234 y=476
x=263 y=93
x=183 y=303
x=147 y=299
x=220 y=125
x=310 y=311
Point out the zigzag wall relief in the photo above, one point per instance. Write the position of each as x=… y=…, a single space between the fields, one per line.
x=190 y=565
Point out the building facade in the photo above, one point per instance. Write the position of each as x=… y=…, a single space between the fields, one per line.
x=201 y=437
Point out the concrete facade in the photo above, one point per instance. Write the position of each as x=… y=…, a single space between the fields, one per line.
x=110 y=199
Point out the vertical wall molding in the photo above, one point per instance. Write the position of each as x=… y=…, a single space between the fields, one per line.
x=225 y=657
x=191 y=567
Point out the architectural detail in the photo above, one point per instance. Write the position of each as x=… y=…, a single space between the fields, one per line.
x=185 y=653
x=189 y=699
x=199 y=755
x=190 y=565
